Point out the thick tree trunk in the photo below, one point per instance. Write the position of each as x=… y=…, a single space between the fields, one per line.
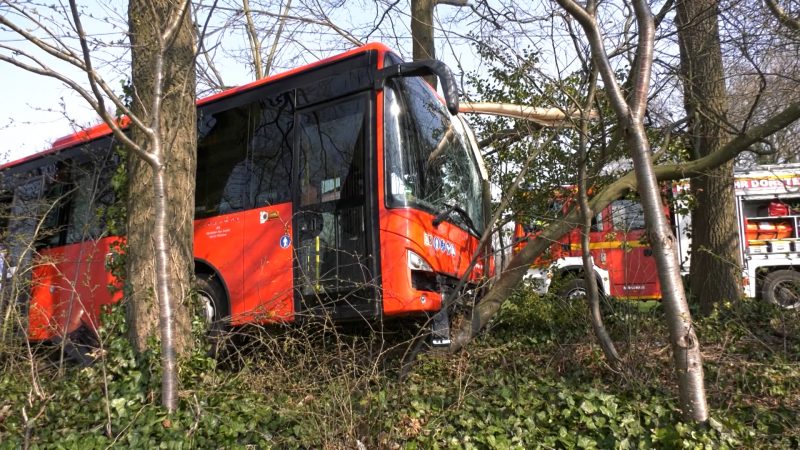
x=176 y=143
x=715 y=266
x=422 y=32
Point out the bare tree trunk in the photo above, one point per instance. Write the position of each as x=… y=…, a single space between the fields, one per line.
x=715 y=269
x=161 y=188
x=274 y=50
x=423 y=46
x=592 y=292
x=255 y=43
x=630 y=112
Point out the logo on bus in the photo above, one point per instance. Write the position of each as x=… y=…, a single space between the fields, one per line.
x=439 y=244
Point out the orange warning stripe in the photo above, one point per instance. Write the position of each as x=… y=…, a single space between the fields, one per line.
x=610 y=245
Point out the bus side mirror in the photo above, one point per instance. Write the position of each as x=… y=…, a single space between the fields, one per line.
x=421 y=68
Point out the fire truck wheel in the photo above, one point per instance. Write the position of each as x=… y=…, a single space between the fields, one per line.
x=212 y=309
x=574 y=289
x=782 y=288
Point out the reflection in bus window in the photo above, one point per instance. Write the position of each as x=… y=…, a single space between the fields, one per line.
x=428 y=159
x=331 y=159
x=92 y=194
x=272 y=122
x=221 y=162
x=332 y=244
x=57 y=194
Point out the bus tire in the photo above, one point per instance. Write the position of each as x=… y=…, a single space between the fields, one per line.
x=212 y=309
x=782 y=288
x=79 y=346
x=574 y=289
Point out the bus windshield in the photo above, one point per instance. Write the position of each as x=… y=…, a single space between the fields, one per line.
x=429 y=162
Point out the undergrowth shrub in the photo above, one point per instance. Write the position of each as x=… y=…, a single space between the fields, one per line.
x=115 y=402
x=535 y=379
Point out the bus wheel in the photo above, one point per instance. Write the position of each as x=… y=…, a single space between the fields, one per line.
x=782 y=288
x=574 y=289
x=212 y=310
x=79 y=346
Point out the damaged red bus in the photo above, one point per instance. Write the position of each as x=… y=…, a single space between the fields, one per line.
x=346 y=188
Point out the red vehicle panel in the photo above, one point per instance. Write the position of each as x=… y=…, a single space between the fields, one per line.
x=623 y=259
x=70 y=286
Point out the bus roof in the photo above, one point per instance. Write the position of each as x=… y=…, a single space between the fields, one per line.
x=102 y=129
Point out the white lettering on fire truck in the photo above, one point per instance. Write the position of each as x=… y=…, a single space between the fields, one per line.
x=766 y=183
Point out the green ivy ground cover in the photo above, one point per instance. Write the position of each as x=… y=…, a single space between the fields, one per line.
x=535 y=380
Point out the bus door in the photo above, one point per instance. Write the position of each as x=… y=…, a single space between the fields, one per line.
x=333 y=262
x=631 y=264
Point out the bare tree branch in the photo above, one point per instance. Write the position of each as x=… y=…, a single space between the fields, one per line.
x=255 y=45
x=786 y=20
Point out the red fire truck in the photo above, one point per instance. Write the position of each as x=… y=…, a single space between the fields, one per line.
x=344 y=188
x=768 y=212
x=623 y=264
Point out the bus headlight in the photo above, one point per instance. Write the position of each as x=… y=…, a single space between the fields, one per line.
x=423 y=278
x=416 y=262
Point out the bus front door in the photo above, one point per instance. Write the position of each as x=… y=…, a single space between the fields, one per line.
x=333 y=262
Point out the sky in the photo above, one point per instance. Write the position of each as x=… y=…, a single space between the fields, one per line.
x=32 y=115
x=35 y=110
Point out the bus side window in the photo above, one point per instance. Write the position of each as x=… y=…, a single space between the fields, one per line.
x=90 y=193
x=6 y=199
x=58 y=193
x=221 y=162
x=270 y=162
x=26 y=212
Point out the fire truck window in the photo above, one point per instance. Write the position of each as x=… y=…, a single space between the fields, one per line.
x=221 y=161
x=597 y=222
x=270 y=167
x=627 y=215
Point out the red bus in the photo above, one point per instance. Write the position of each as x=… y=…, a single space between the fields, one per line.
x=344 y=188
x=622 y=260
